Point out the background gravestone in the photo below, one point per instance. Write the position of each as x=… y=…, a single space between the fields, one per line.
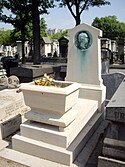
x=63 y=46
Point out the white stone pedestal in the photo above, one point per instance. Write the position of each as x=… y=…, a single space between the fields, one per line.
x=48 y=142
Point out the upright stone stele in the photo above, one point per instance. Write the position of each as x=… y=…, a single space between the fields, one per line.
x=84 y=62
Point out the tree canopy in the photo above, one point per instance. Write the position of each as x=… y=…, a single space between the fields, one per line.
x=76 y=7
x=111 y=27
x=5 y=37
x=22 y=12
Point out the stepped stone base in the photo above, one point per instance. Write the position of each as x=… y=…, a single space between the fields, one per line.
x=48 y=142
x=42 y=150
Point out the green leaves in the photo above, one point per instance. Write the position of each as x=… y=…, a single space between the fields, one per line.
x=111 y=27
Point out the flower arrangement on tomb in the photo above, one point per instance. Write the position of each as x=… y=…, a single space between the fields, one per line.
x=49 y=81
x=45 y=81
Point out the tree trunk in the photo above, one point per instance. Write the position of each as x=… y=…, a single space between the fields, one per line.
x=36 y=32
x=23 y=54
x=77 y=18
x=23 y=43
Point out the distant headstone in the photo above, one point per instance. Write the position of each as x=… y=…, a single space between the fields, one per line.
x=63 y=46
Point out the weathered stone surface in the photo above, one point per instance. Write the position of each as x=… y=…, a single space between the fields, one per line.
x=112 y=82
x=115 y=110
x=10 y=126
x=114 y=148
x=106 y=162
x=27 y=74
x=11 y=104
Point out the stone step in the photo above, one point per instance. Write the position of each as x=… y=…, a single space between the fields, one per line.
x=42 y=150
x=27 y=160
x=23 y=144
x=52 y=135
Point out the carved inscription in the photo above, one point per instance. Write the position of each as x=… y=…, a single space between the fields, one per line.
x=119 y=116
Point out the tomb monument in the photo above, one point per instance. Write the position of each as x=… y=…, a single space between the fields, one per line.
x=62 y=119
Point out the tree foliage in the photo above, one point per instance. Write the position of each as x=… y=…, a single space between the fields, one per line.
x=5 y=37
x=76 y=7
x=22 y=12
x=111 y=27
x=43 y=28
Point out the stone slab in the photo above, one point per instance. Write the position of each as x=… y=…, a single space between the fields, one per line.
x=114 y=148
x=106 y=162
x=115 y=110
x=42 y=132
x=3 y=144
x=115 y=131
x=63 y=138
x=94 y=92
x=82 y=107
x=42 y=150
x=115 y=153
x=112 y=82
x=11 y=103
x=28 y=73
x=28 y=160
x=51 y=118
x=10 y=126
